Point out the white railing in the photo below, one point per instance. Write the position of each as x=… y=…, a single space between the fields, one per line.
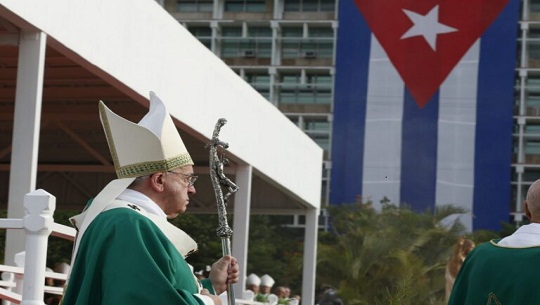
x=25 y=283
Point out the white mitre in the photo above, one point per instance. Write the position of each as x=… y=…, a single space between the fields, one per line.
x=253 y=279
x=153 y=145
x=267 y=281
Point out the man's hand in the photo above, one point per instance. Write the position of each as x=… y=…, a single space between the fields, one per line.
x=224 y=271
x=215 y=298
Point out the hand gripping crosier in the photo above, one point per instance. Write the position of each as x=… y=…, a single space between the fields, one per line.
x=219 y=180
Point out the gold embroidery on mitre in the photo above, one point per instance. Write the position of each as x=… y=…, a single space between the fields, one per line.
x=150 y=167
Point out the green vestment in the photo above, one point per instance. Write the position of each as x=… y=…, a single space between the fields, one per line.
x=263 y=298
x=124 y=258
x=496 y=275
x=283 y=301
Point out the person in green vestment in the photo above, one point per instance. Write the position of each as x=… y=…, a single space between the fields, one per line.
x=265 y=295
x=281 y=293
x=126 y=252
x=252 y=287
x=503 y=272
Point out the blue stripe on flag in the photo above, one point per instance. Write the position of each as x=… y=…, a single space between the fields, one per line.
x=349 y=105
x=493 y=151
x=419 y=153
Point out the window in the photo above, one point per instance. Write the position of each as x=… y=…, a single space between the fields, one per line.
x=203 y=34
x=310 y=5
x=530 y=175
x=231 y=37
x=326 y=32
x=535 y=6
x=319 y=80
x=257 y=44
x=231 y=31
x=534 y=32
x=259 y=31
x=292 y=5
x=534 y=49
x=194 y=6
x=291 y=36
x=312 y=124
x=532 y=129
x=533 y=86
x=294 y=91
x=260 y=81
x=318 y=44
x=322 y=140
x=316 y=127
x=287 y=32
x=532 y=147
x=250 y=6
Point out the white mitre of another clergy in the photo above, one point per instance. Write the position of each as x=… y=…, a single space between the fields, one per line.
x=153 y=145
x=267 y=281
x=253 y=279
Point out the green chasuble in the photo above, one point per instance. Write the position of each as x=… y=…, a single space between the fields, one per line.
x=263 y=298
x=496 y=275
x=124 y=258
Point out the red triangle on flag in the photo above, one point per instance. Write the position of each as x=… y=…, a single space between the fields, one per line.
x=425 y=40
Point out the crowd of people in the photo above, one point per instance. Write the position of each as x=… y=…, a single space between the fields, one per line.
x=259 y=289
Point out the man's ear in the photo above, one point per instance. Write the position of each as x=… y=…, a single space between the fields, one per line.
x=157 y=182
x=526 y=208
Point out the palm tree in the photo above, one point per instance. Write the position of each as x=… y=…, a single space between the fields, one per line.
x=394 y=256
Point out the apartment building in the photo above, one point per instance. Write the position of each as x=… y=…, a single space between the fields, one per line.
x=526 y=133
x=284 y=48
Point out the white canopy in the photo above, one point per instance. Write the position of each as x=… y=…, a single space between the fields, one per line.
x=63 y=56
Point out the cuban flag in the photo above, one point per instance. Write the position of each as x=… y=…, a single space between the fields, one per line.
x=423 y=105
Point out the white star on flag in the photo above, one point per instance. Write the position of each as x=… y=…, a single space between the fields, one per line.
x=427 y=26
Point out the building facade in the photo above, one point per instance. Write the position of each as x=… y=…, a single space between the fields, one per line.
x=286 y=50
x=526 y=133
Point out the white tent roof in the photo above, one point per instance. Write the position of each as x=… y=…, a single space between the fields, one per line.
x=138 y=47
x=118 y=51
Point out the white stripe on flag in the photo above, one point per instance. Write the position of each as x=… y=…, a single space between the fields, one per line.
x=456 y=132
x=382 y=142
x=456 y=138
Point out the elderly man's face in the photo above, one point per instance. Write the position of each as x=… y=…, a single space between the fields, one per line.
x=178 y=189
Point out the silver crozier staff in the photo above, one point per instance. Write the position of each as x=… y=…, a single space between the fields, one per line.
x=219 y=180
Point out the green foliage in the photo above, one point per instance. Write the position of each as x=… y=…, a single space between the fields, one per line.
x=394 y=256
x=273 y=249
x=202 y=228
x=276 y=250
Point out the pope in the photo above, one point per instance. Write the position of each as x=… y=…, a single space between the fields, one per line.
x=126 y=251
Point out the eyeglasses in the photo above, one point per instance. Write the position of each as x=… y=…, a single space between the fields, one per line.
x=190 y=178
